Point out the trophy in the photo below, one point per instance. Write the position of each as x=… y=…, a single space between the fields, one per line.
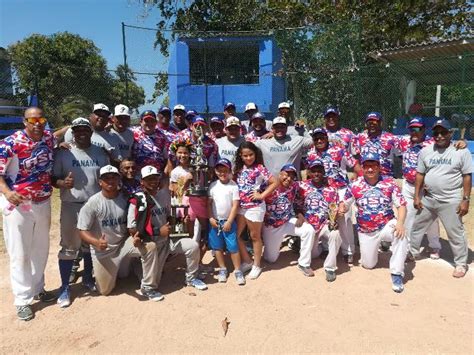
x=332 y=214
x=178 y=212
x=200 y=182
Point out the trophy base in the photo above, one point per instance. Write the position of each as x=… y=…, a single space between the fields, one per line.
x=179 y=235
x=199 y=193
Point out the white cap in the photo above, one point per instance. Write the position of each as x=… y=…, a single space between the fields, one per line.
x=121 y=110
x=250 y=106
x=179 y=107
x=278 y=120
x=108 y=169
x=149 y=170
x=101 y=107
x=81 y=122
x=232 y=121
x=283 y=105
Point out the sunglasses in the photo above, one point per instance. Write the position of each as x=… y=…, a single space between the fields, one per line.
x=35 y=120
x=415 y=129
x=442 y=133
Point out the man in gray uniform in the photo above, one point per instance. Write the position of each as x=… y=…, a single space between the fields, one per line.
x=102 y=223
x=228 y=145
x=76 y=174
x=442 y=189
x=121 y=131
x=282 y=148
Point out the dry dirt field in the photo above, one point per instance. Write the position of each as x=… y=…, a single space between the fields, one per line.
x=281 y=312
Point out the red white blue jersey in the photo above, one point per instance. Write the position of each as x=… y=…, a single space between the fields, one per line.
x=410 y=153
x=280 y=205
x=210 y=149
x=343 y=137
x=314 y=202
x=150 y=149
x=170 y=133
x=27 y=165
x=333 y=158
x=375 y=202
x=385 y=145
x=252 y=136
x=249 y=180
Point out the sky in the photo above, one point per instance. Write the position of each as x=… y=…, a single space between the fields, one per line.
x=97 y=20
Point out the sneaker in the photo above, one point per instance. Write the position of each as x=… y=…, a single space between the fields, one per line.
x=239 y=277
x=255 y=272
x=24 y=312
x=349 y=259
x=459 y=271
x=222 y=276
x=246 y=267
x=330 y=275
x=434 y=254
x=46 y=297
x=397 y=283
x=153 y=295
x=307 y=271
x=74 y=271
x=196 y=283
x=90 y=286
x=64 y=299
x=384 y=246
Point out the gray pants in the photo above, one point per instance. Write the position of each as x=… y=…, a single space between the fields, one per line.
x=107 y=267
x=190 y=249
x=70 y=240
x=452 y=222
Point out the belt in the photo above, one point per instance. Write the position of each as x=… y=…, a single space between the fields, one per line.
x=40 y=199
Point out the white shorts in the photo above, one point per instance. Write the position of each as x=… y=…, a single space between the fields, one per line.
x=254 y=214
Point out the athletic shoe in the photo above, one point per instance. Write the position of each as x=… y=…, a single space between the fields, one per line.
x=24 y=312
x=330 y=275
x=384 y=246
x=90 y=286
x=434 y=254
x=459 y=271
x=45 y=297
x=74 y=271
x=239 y=277
x=222 y=276
x=255 y=272
x=349 y=259
x=397 y=283
x=64 y=299
x=307 y=271
x=196 y=283
x=153 y=295
x=246 y=267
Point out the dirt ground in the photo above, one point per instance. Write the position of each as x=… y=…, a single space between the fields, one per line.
x=281 y=312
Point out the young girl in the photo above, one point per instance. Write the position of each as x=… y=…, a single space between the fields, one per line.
x=255 y=184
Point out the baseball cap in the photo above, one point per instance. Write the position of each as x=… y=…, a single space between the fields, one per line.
x=190 y=115
x=179 y=107
x=121 y=110
x=232 y=121
x=228 y=105
x=258 y=115
x=370 y=157
x=198 y=120
x=289 y=167
x=319 y=130
x=164 y=109
x=147 y=113
x=416 y=122
x=283 y=105
x=373 y=116
x=108 y=169
x=278 y=120
x=315 y=162
x=251 y=106
x=148 y=171
x=81 y=122
x=332 y=109
x=101 y=107
x=216 y=119
x=442 y=123
x=224 y=162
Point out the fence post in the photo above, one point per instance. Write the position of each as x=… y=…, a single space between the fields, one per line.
x=125 y=62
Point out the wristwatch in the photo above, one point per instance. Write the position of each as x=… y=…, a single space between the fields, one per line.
x=466 y=198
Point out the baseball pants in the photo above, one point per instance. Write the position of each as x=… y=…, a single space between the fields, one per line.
x=452 y=222
x=26 y=237
x=346 y=229
x=408 y=191
x=333 y=240
x=70 y=241
x=152 y=255
x=190 y=249
x=369 y=248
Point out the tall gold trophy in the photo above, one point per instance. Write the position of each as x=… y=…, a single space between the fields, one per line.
x=179 y=212
x=200 y=184
x=332 y=215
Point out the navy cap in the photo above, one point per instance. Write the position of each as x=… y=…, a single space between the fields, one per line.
x=224 y=162
x=164 y=109
x=190 y=115
x=315 y=162
x=370 y=157
x=148 y=113
x=198 y=120
x=216 y=119
x=319 y=130
x=289 y=167
x=416 y=122
x=258 y=115
x=442 y=123
x=229 y=104
x=332 y=109
x=373 y=116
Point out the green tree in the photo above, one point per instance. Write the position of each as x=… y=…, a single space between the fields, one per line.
x=120 y=87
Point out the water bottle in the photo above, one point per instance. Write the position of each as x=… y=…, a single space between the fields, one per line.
x=8 y=209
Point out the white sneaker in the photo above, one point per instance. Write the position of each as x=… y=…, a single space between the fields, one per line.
x=246 y=267
x=255 y=272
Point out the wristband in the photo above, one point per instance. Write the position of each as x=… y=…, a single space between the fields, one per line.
x=466 y=198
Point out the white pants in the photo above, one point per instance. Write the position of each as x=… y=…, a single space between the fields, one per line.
x=369 y=246
x=346 y=229
x=333 y=240
x=27 y=241
x=408 y=191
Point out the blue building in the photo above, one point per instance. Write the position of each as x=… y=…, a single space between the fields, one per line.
x=206 y=73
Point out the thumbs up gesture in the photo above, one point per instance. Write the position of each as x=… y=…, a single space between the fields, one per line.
x=102 y=243
x=136 y=239
x=68 y=181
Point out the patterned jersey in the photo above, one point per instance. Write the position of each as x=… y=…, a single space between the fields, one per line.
x=374 y=202
x=129 y=188
x=210 y=149
x=252 y=136
x=249 y=180
x=150 y=149
x=27 y=165
x=280 y=205
x=314 y=202
x=343 y=137
x=385 y=145
x=410 y=154
x=170 y=133
x=334 y=157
